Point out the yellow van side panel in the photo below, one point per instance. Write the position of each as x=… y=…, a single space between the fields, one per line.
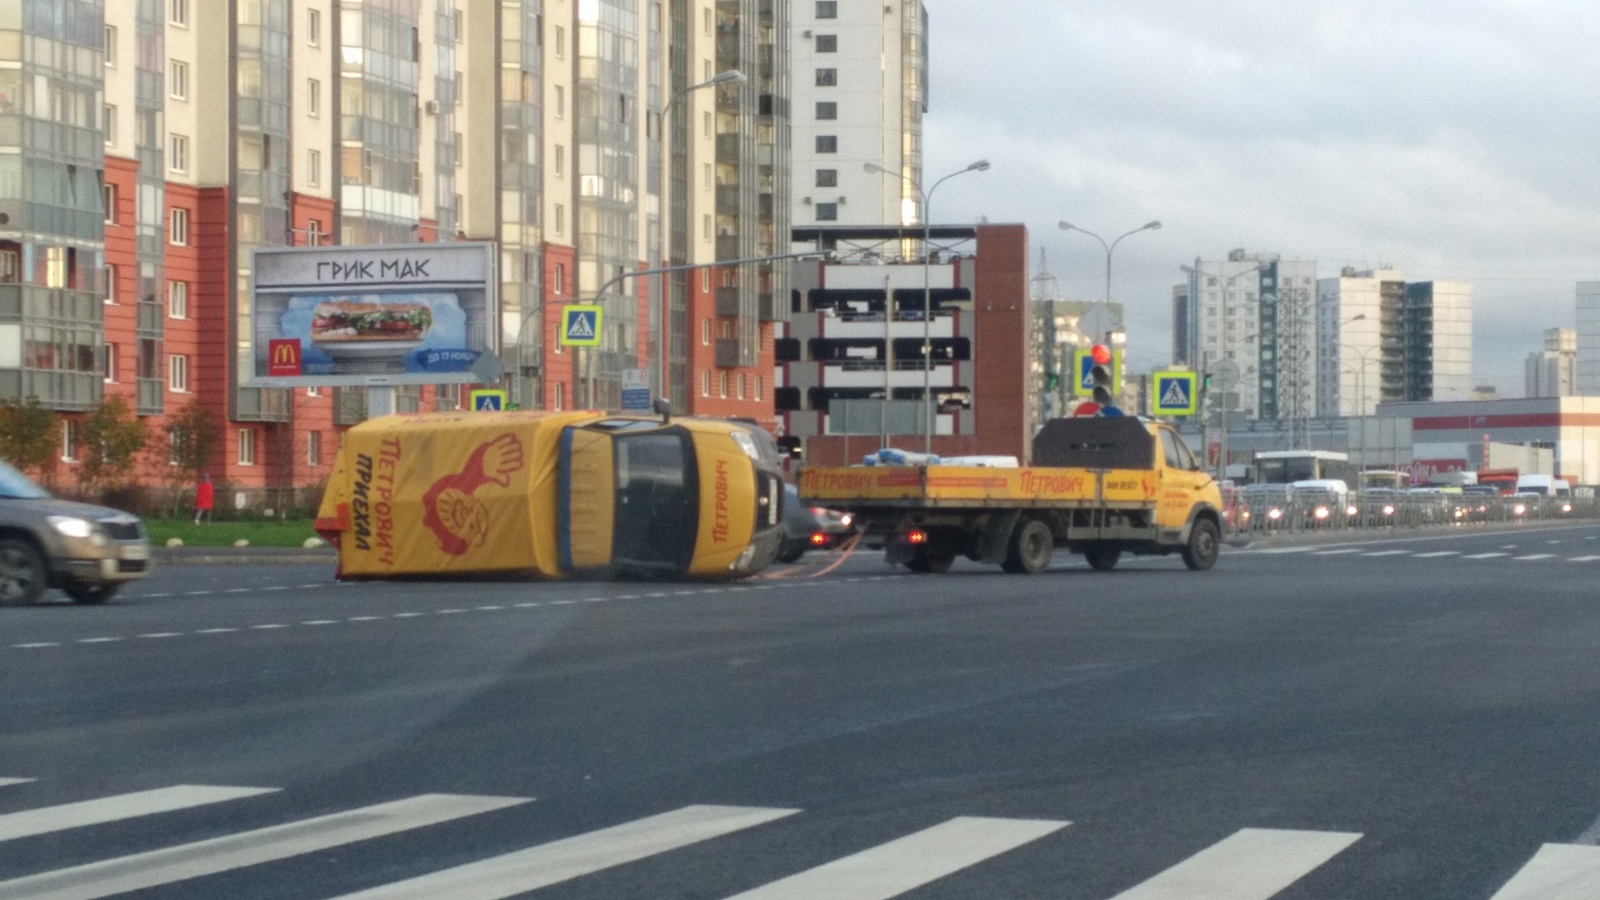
x=593 y=491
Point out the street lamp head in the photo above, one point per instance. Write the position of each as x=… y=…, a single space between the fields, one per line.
x=1154 y=225
x=727 y=77
x=981 y=165
x=874 y=168
x=1066 y=226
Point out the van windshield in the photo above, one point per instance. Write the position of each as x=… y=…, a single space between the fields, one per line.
x=656 y=516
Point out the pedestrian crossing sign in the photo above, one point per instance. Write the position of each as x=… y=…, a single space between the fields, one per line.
x=488 y=400
x=580 y=326
x=1176 y=393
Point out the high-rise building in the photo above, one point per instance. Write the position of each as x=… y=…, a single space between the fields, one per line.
x=1248 y=322
x=1588 y=348
x=1437 y=340
x=154 y=145
x=1553 y=372
x=860 y=92
x=1386 y=340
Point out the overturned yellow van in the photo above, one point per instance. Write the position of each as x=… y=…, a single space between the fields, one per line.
x=558 y=494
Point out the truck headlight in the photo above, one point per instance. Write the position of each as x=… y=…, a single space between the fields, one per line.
x=744 y=559
x=746 y=443
x=71 y=526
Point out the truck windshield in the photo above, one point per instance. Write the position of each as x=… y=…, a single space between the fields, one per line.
x=15 y=486
x=656 y=517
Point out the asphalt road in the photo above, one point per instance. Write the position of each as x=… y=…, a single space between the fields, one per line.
x=1410 y=719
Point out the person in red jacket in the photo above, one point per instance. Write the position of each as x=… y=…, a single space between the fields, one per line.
x=203 y=499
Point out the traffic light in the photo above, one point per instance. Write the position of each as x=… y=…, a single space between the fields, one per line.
x=1101 y=378
x=1052 y=380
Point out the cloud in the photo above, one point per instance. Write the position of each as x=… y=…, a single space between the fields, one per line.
x=1447 y=139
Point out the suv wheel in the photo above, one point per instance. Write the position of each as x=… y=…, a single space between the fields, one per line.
x=91 y=594
x=23 y=578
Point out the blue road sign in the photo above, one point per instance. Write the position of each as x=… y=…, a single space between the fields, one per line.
x=488 y=400
x=580 y=326
x=1176 y=393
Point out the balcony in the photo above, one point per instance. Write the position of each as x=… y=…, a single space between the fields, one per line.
x=727 y=301
x=728 y=197
x=727 y=353
x=768 y=309
x=149 y=396
x=728 y=247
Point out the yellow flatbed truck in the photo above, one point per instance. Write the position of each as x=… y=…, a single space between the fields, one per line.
x=1099 y=486
x=558 y=494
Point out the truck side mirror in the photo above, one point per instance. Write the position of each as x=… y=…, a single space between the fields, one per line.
x=663 y=408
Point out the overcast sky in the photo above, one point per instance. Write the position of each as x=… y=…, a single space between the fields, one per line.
x=1448 y=139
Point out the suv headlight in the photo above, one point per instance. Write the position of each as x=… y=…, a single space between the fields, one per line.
x=71 y=526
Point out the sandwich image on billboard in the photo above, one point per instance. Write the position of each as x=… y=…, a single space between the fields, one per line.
x=382 y=314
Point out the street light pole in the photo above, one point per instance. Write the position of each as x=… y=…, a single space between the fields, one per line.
x=927 y=291
x=731 y=76
x=1110 y=248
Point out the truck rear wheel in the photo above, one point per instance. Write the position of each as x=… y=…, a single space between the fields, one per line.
x=1101 y=558
x=932 y=562
x=1031 y=547
x=1201 y=551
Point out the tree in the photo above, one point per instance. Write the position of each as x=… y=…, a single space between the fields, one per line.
x=111 y=437
x=193 y=436
x=28 y=436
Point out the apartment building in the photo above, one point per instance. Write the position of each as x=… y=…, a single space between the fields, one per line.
x=909 y=351
x=860 y=92
x=1553 y=372
x=1588 y=347
x=126 y=230
x=1386 y=340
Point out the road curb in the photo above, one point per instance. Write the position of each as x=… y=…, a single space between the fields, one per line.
x=221 y=556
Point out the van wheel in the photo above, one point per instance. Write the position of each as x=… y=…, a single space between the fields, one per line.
x=1200 y=553
x=1101 y=558
x=1031 y=547
x=23 y=579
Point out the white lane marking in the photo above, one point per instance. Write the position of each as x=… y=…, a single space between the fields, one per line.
x=114 y=809
x=9 y=781
x=558 y=861
x=216 y=631
x=35 y=645
x=1436 y=554
x=684 y=593
x=238 y=590
x=249 y=848
x=528 y=605
x=448 y=612
x=197 y=593
x=891 y=869
x=1532 y=556
x=1337 y=552
x=1276 y=550
x=487 y=608
x=363 y=618
x=1555 y=542
x=1386 y=553
x=405 y=615
x=276 y=587
x=268 y=626
x=320 y=622
x=1509 y=547
x=149 y=596
x=563 y=602
x=1556 y=872
x=160 y=634
x=1483 y=555
x=1584 y=558
x=99 y=640
x=1250 y=864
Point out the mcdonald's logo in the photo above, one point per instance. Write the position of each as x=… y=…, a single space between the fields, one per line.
x=283 y=357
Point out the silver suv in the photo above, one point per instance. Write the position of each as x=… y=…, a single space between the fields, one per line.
x=87 y=551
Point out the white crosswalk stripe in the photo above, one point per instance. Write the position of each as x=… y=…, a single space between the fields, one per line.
x=112 y=809
x=1336 y=552
x=1556 y=872
x=563 y=860
x=1386 y=553
x=1533 y=556
x=1252 y=864
x=8 y=781
x=1584 y=558
x=158 y=867
x=891 y=869
x=1436 y=554
x=1484 y=555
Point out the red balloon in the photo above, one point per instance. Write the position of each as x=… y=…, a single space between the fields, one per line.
x=1101 y=354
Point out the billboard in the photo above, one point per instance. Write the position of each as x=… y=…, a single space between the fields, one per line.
x=380 y=314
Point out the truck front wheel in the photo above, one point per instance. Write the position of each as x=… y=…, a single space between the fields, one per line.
x=1201 y=551
x=1101 y=558
x=1031 y=547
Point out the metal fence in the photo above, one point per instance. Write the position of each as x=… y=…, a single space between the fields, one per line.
x=1258 y=511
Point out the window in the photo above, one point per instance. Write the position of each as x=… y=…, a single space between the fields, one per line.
x=827 y=43
x=69 y=440
x=741 y=385
x=178 y=153
x=178 y=299
x=827 y=143
x=561 y=101
x=561 y=396
x=827 y=9
x=827 y=77
x=558 y=281
x=827 y=110
x=110 y=293
x=313 y=448
x=313 y=97
x=313 y=391
x=111 y=45
x=178 y=232
x=314 y=168
x=561 y=219
x=705 y=123
x=827 y=178
x=705 y=173
x=178 y=12
x=705 y=281
x=705 y=226
x=705 y=332
x=178 y=373
x=109 y=123
x=111 y=363
x=314 y=27
x=561 y=42
x=108 y=202
x=561 y=160
x=247 y=447
x=758 y=387
x=827 y=212
x=722 y=385
x=178 y=79
x=705 y=383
